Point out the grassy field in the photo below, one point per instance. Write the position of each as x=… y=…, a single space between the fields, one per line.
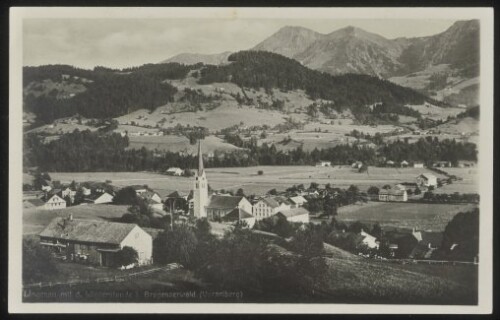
x=349 y=279
x=179 y=143
x=34 y=219
x=279 y=177
x=354 y=280
x=433 y=217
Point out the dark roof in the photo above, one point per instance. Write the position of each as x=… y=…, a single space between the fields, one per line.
x=281 y=199
x=224 y=202
x=87 y=230
x=270 y=202
x=294 y=212
x=35 y=202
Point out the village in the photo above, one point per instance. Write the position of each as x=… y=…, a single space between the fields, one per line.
x=99 y=243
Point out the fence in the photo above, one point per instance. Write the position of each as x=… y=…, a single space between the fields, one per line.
x=116 y=278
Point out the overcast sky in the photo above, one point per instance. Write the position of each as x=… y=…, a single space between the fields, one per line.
x=119 y=43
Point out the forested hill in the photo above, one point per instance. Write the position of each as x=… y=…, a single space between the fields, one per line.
x=102 y=92
x=56 y=91
x=259 y=69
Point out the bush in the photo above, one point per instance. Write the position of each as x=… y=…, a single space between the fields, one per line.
x=126 y=256
x=37 y=263
x=177 y=245
x=260 y=172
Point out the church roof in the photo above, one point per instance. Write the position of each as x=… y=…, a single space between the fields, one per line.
x=224 y=202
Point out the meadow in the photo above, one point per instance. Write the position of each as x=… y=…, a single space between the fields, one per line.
x=433 y=217
x=247 y=178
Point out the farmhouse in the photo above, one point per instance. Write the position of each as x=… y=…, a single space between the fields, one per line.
x=174 y=171
x=295 y=215
x=427 y=180
x=418 y=165
x=404 y=164
x=68 y=192
x=265 y=207
x=298 y=201
x=99 y=198
x=95 y=242
x=397 y=193
x=323 y=163
x=220 y=206
x=139 y=189
x=55 y=202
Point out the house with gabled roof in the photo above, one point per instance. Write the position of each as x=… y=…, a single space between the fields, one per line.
x=99 y=198
x=95 y=242
x=427 y=180
x=55 y=202
x=220 y=206
x=295 y=215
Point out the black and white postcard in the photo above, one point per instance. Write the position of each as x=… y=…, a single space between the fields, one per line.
x=251 y=160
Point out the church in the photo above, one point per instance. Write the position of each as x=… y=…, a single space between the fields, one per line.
x=217 y=207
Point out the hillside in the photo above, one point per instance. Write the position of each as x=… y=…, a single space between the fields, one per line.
x=353 y=50
x=251 y=78
x=258 y=69
x=194 y=58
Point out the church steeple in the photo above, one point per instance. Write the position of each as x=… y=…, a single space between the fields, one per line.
x=200 y=190
x=200 y=159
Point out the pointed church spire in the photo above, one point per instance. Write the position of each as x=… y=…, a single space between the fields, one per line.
x=200 y=159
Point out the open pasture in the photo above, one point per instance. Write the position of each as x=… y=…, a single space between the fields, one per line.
x=422 y=216
x=247 y=178
x=35 y=219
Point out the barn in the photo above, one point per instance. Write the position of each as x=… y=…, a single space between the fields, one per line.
x=95 y=242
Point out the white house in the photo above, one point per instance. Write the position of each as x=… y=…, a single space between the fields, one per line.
x=419 y=165
x=323 y=163
x=295 y=215
x=174 y=171
x=55 y=202
x=369 y=240
x=46 y=188
x=265 y=207
x=96 y=242
x=86 y=191
x=99 y=198
x=68 y=192
x=404 y=163
x=427 y=180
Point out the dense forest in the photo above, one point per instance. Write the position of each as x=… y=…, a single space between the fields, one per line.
x=98 y=151
x=259 y=69
x=109 y=93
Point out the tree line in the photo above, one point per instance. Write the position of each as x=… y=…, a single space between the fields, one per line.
x=101 y=151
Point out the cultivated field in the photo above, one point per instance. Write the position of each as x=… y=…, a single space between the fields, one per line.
x=433 y=217
x=279 y=177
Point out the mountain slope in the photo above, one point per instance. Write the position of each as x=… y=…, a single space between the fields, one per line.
x=194 y=58
x=289 y=41
x=255 y=69
x=352 y=50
